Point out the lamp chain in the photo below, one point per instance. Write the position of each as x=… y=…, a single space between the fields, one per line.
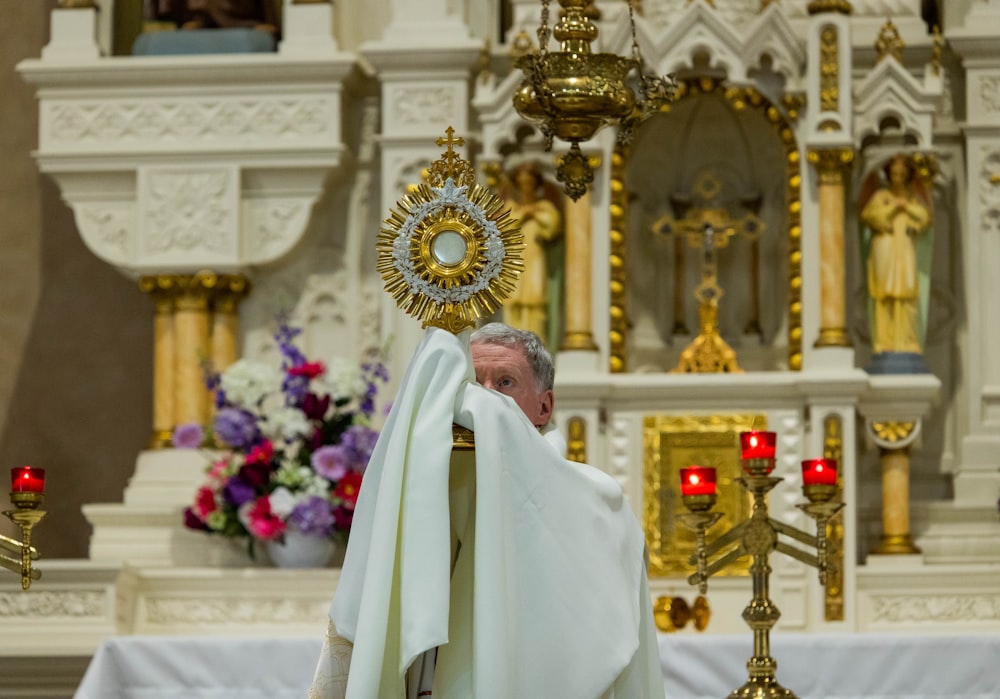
x=543 y=29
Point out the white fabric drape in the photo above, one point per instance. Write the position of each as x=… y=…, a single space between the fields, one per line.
x=548 y=595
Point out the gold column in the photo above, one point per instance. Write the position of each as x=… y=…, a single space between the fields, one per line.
x=831 y=165
x=229 y=290
x=162 y=288
x=191 y=329
x=896 y=537
x=578 y=333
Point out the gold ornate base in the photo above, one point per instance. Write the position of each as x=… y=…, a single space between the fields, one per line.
x=896 y=544
x=708 y=354
x=761 y=688
x=577 y=340
x=833 y=337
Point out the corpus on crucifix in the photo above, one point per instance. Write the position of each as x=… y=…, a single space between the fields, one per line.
x=708 y=227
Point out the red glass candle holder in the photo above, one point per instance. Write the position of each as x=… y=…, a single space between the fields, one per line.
x=698 y=480
x=819 y=472
x=26 y=479
x=758 y=445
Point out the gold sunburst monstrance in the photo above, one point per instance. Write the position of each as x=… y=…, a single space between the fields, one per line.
x=450 y=253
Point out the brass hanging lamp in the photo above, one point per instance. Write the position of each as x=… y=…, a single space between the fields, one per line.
x=572 y=93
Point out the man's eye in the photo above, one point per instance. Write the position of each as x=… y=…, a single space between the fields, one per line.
x=506 y=383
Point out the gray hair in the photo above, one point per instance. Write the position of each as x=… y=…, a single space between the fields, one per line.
x=542 y=365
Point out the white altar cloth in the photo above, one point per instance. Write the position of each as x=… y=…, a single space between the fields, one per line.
x=813 y=666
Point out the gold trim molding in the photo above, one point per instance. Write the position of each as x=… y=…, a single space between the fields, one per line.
x=576 y=439
x=833 y=448
x=817 y=7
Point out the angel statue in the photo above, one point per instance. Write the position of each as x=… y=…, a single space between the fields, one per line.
x=896 y=221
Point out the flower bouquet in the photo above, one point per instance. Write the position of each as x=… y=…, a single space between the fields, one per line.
x=293 y=445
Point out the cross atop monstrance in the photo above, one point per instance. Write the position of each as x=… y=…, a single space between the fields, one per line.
x=708 y=226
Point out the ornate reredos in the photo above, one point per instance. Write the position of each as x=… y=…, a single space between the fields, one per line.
x=450 y=253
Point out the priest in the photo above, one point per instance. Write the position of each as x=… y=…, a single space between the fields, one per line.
x=502 y=572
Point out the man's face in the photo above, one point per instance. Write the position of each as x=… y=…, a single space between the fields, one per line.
x=507 y=371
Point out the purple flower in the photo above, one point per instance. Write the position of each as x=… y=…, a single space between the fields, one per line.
x=331 y=461
x=313 y=516
x=360 y=442
x=237 y=428
x=237 y=491
x=295 y=388
x=188 y=436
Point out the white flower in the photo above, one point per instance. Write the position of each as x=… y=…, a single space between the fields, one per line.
x=283 y=502
x=248 y=382
x=286 y=424
x=342 y=379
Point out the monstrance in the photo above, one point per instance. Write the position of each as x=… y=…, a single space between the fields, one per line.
x=450 y=253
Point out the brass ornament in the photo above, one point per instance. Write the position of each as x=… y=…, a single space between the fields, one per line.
x=829 y=69
x=816 y=7
x=889 y=42
x=572 y=93
x=449 y=254
x=893 y=431
x=833 y=599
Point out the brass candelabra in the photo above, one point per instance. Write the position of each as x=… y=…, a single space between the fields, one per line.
x=27 y=496
x=757 y=537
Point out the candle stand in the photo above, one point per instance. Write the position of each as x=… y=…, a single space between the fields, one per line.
x=758 y=536
x=27 y=514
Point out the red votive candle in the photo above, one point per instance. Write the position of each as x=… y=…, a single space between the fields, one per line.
x=698 y=480
x=25 y=479
x=819 y=472
x=758 y=445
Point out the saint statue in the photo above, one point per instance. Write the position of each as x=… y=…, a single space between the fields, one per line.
x=217 y=14
x=533 y=201
x=895 y=238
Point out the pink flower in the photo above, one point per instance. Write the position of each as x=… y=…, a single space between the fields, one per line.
x=331 y=461
x=310 y=369
x=262 y=523
x=215 y=473
x=261 y=454
x=204 y=502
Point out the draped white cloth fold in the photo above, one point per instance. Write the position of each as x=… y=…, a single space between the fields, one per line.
x=547 y=596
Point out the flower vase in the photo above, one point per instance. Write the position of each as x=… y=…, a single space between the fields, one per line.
x=301 y=550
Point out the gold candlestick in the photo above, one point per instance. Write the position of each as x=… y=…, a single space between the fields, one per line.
x=26 y=516
x=758 y=537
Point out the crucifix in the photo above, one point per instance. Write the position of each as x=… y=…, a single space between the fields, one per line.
x=708 y=228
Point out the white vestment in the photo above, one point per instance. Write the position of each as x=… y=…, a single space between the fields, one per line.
x=547 y=596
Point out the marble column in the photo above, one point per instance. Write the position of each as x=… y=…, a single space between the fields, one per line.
x=831 y=165
x=578 y=333
x=192 y=333
x=896 y=537
x=161 y=288
x=231 y=288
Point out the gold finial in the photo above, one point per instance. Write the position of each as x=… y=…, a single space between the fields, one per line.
x=450 y=164
x=889 y=42
x=937 y=50
x=521 y=45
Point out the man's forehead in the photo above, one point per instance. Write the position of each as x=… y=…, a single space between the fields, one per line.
x=498 y=355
